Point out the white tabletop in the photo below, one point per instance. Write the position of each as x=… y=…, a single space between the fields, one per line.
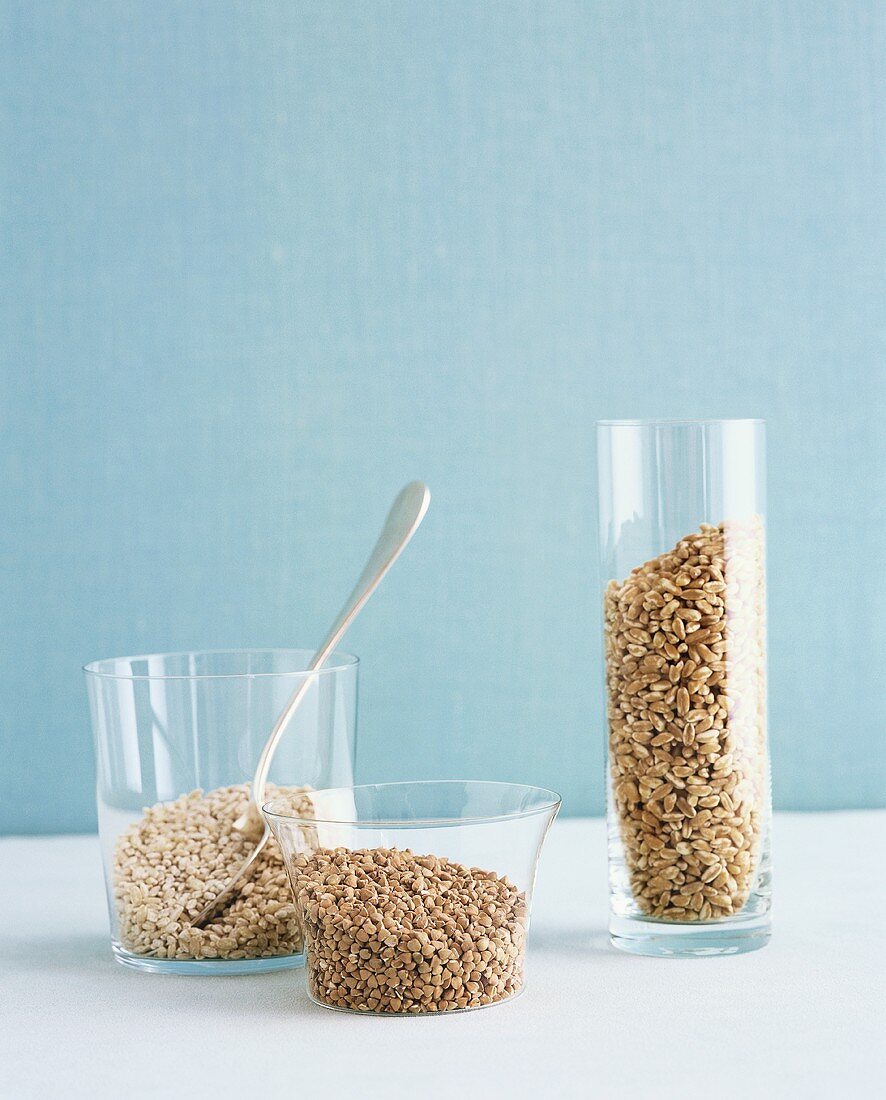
x=802 y=1017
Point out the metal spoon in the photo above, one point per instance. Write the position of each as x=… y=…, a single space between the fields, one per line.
x=406 y=514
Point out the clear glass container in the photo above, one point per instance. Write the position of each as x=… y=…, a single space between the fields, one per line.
x=415 y=896
x=172 y=725
x=682 y=506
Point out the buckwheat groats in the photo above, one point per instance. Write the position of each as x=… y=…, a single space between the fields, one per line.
x=169 y=864
x=389 y=931
x=685 y=675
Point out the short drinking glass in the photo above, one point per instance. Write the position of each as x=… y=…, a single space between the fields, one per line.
x=177 y=738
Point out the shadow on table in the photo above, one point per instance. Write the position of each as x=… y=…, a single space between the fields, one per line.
x=279 y=995
x=569 y=941
x=59 y=954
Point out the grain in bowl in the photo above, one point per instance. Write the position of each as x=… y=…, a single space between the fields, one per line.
x=177 y=857
x=689 y=768
x=388 y=931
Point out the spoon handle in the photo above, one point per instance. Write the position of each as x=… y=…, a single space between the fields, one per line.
x=406 y=514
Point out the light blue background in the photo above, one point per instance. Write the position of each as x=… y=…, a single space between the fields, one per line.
x=264 y=262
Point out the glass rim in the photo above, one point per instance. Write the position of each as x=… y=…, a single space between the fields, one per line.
x=552 y=802
x=340 y=662
x=652 y=421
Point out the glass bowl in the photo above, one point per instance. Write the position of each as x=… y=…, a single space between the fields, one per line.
x=177 y=738
x=414 y=897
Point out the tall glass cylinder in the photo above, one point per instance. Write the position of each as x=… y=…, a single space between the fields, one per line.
x=682 y=527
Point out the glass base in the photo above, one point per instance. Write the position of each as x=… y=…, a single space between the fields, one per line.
x=448 y=1012
x=667 y=940
x=206 y=966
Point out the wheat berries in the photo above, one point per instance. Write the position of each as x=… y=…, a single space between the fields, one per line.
x=173 y=861
x=389 y=931
x=685 y=676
